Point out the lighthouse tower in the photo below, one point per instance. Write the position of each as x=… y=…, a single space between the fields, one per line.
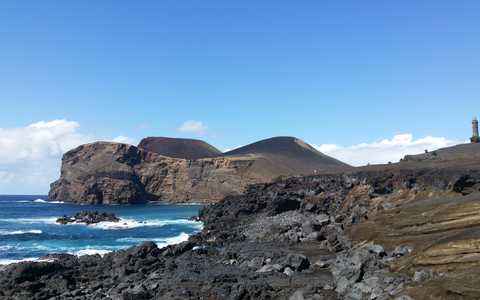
x=475 y=138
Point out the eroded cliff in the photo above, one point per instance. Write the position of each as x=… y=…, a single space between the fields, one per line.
x=113 y=173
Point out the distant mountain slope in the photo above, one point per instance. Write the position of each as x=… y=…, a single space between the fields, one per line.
x=286 y=156
x=457 y=152
x=461 y=156
x=179 y=148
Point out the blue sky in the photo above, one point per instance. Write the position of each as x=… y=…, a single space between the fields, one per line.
x=329 y=72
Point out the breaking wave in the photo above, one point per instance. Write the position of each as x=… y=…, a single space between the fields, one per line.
x=45 y=201
x=31 y=259
x=122 y=224
x=50 y=220
x=130 y=223
x=161 y=242
x=40 y=201
x=20 y=232
x=90 y=251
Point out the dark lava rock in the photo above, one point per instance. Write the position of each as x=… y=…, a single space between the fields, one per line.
x=88 y=217
x=297 y=262
x=257 y=245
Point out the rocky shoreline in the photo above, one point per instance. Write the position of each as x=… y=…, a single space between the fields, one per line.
x=291 y=239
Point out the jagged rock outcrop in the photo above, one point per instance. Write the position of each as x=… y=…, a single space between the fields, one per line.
x=88 y=217
x=113 y=173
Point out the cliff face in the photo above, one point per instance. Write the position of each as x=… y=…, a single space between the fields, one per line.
x=100 y=173
x=112 y=173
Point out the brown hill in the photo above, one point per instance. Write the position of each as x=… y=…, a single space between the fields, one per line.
x=170 y=170
x=179 y=148
x=286 y=156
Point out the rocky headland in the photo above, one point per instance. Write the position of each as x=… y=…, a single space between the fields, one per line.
x=399 y=231
x=113 y=173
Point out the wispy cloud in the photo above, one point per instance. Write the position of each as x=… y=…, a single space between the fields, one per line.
x=384 y=151
x=194 y=127
x=30 y=156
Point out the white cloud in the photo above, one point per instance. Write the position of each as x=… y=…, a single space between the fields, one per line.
x=30 y=157
x=231 y=149
x=38 y=141
x=192 y=126
x=384 y=151
x=124 y=140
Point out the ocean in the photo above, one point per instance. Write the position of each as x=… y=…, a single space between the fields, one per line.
x=28 y=229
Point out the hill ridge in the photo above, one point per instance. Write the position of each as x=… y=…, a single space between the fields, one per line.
x=183 y=148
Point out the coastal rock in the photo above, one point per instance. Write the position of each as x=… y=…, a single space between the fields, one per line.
x=297 y=262
x=88 y=217
x=402 y=250
x=421 y=276
x=270 y=268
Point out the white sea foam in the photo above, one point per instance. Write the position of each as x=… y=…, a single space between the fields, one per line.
x=82 y=252
x=39 y=201
x=49 y=220
x=122 y=224
x=182 y=237
x=130 y=223
x=31 y=259
x=161 y=242
x=19 y=232
x=90 y=251
x=45 y=201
